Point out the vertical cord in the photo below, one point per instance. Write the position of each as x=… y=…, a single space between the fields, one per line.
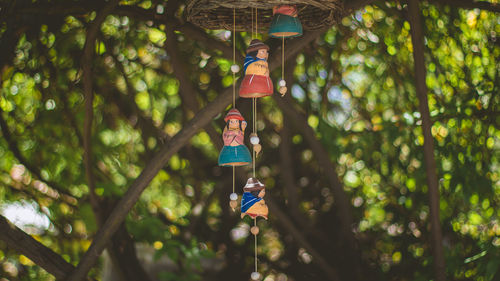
x=254 y=121
x=234 y=59
x=255 y=224
x=234 y=75
x=252 y=22
x=283 y=59
x=256 y=22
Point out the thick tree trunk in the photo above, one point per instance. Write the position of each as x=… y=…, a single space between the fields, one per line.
x=430 y=163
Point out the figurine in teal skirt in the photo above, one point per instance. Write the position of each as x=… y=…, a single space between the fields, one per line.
x=234 y=152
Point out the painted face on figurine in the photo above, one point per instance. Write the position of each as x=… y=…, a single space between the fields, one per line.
x=262 y=193
x=234 y=124
x=262 y=54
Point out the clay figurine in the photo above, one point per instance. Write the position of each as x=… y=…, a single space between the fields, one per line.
x=256 y=82
x=252 y=202
x=234 y=152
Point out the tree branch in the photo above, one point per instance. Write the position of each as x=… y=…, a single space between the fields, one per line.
x=341 y=200
x=470 y=4
x=195 y=32
x=68 y=198
x=300 y=121
x=23 y=243
x=352 y=5
x=417 y=39
x=122 y=248
x=186 y=88
x=88 y=53
x=283 y=219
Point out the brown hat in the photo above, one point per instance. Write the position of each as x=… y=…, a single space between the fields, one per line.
x=255 y=45
x=253 y=184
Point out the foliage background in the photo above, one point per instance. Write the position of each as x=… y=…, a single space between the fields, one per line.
x=355 y=87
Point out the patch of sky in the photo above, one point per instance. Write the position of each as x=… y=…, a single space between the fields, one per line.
x=354 y=80
x=323 y=74
x=298 y=92
x=26 y=215
x=357 y=59
x=338 y=116
x=359 y=16
x=314 y=92
x=409 y=118
x=335 y=96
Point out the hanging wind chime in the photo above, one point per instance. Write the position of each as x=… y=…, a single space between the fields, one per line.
x=256 y=82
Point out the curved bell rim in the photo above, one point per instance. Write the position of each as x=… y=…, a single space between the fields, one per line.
x=235 y=164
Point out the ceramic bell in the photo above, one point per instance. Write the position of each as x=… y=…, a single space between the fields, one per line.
x=234 y=152
x=252 y=201
x=256 y=83
x=285 y=22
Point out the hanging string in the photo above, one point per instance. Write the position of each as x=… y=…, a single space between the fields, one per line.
x=252 y=23
x=254 y=122
x=234 y=61
x=256 y=22
x=255 y=225
x=283 y=59
x=253 y=115
x=233 y=178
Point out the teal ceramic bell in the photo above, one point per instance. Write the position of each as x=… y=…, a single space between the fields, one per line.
x=285 y=22
x=234 y=152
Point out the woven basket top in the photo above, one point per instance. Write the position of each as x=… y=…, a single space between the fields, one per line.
x=218 y=14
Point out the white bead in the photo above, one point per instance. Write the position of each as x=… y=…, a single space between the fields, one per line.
x=255 y=275
x=282 y=83
x=233 y=196
x=254 y=140
x=235 y=68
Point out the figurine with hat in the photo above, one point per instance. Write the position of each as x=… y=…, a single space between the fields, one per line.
x=252 y=202
x=256 y=82
x=234 y=152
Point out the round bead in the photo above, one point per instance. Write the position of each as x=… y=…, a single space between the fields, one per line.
x=254 y=140
x=254 y=230
x=255 y=275
x=235 y=68
x=282 y=83
x=283 y=90
x=233 y=196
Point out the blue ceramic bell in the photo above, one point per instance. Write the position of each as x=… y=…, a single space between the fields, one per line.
x=285 y=22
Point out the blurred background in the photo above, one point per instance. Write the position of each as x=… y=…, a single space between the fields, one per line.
x=348 y=130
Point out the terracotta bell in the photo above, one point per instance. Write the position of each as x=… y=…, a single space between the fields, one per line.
x=256 y=83
x=234 y=152
x=252 y=201
x=285 y=22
